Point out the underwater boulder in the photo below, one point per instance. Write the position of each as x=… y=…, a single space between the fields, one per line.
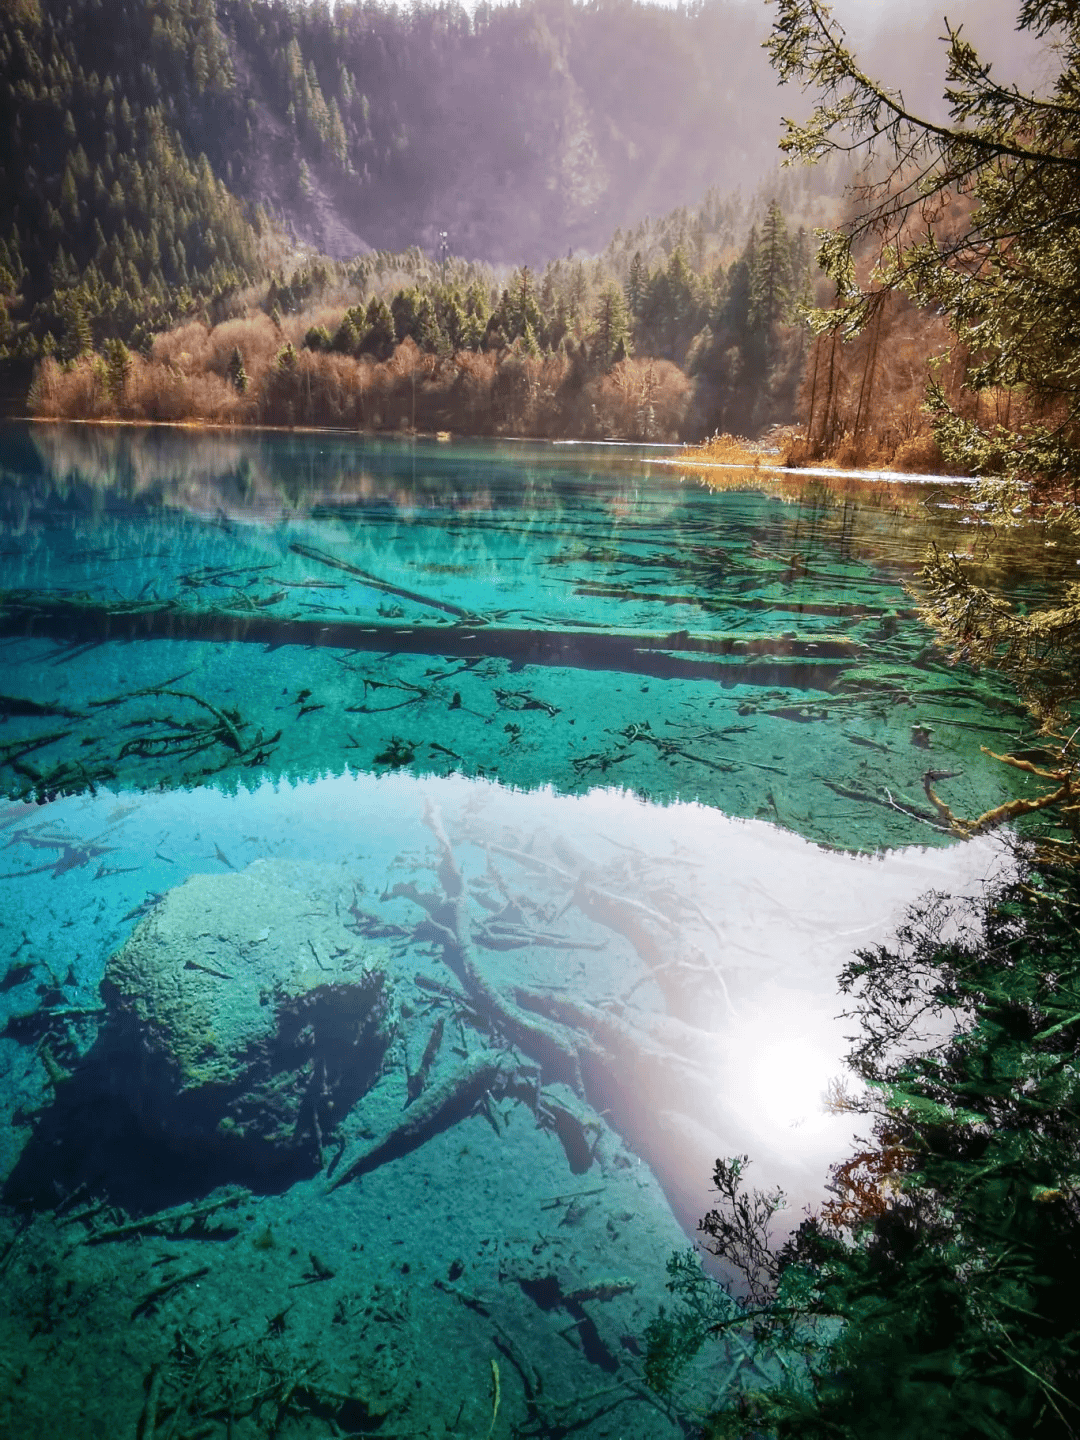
x=243 y=1020
x=254 y=1013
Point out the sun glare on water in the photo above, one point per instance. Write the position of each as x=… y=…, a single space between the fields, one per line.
x=789 y=1080
x=778 y=1077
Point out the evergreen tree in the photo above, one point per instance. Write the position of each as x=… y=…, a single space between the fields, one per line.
x=671 y=310
x=118 y=368
x=636 y=283
x=380 y=336
x=346 y=339
x=772 y=278
x=69 y=199
x=1005 y=272
x=611 y=328
x=76 y=339
x=414 y=316
x=236 y=372
x=529 y=342
x=518 y=308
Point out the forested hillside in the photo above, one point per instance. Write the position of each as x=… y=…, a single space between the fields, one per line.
x=521 y=131
x=148 y=137
x=114 y=222
x=180 y=161
x=674 y=330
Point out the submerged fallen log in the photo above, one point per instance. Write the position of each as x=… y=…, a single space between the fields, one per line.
x=728 y=660
x=448 y=922
x=168 y=1221
x=321 y=557
x=436 y=1109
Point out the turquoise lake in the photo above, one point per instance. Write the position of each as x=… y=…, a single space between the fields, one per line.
x=418 y=863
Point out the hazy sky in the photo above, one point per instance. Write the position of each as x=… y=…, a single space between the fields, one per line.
x=908 y=51
x=856 y=14
x=900 y=44
x=989 y=24
x=905 y=35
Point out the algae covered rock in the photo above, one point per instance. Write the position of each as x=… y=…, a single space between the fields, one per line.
x=244 y=1012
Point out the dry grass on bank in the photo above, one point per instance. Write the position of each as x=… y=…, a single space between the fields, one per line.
x=728 y=450
x=508 y=392
x=917 y=455
x=729 y=462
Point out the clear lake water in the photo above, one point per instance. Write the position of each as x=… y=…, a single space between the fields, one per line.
x=418 y=863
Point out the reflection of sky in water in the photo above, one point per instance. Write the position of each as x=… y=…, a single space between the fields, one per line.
x=778 y=916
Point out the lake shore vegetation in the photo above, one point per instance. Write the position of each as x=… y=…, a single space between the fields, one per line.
x=620 y=347
x=641 y=343
x=661 y=337
x=160 y=177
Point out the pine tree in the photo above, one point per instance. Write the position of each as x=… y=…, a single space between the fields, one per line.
x=529 y=343
x=380 y=337
x=346 y=339
x=636 y=284
x=69 y=196
x=772 y=277
x=118 y=368
x=611 y=327
x=76 y=339
x=519 y=309
x=236 y=372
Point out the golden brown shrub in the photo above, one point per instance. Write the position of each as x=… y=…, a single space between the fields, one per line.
x=47 y=393
x=640 y=400
x=161 y=391
x=920 y=455
x=255 y=336
x=724 y=450
x=186 y=349
x=509 y=392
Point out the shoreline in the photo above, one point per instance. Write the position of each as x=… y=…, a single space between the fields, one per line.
x=760 y=465
x=442 y=436
x=909 y=477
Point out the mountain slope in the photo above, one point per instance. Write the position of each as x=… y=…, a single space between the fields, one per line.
x=523 y=131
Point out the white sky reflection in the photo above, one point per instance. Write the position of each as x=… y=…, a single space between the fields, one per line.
x=787 y=916
x=705 y=949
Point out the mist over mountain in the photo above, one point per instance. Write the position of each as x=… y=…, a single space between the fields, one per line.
x=165 y=154
x=905 y=49
x=520 y=130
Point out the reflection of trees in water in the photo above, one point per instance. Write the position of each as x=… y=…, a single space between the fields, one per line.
x=392 y=548
x=209 y=474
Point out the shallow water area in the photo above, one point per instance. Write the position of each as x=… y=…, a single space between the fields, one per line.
x=419 y=863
